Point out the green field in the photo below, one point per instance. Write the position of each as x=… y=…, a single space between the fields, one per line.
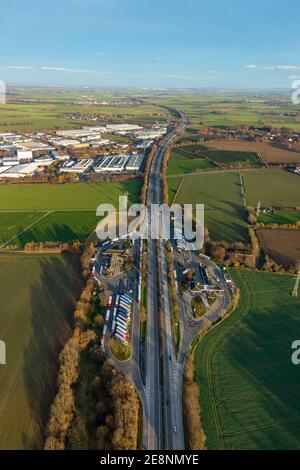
x=52 y=113
x=249 y=388
x=223 y=109
x=61 y=226
x=277 y=188
x=228 y=157
x=173 y=185
x=12 y=223
x=189 y=137
x=188 y=159
x=224 y=157
x=280 y=217
x=177 y=167
x=221 y=194
x=74 y=206
x=80 y=196
x=189 y=152
x=194 y=158
x=37 y=294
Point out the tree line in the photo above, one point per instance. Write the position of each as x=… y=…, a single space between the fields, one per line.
x=112 y=399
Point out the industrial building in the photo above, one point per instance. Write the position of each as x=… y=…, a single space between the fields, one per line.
x=144 y=144
x=98 y=142
x=95 y=128
x=123 y=127
x=10 y=160
x=112 y=164
x=34 y=146
x=118 y=163
x=66 y=142
x=22 y=170
x=134 y=162
x=148 y=135
x=76 y=133
x=76 y=166
x=24 y=156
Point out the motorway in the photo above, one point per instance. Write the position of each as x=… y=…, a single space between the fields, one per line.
x=164 y=427
x=160 y=388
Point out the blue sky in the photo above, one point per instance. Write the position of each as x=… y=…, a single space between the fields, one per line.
x=155 y=43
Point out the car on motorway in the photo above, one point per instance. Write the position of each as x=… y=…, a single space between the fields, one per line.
x=174 y=428
x=170 y=357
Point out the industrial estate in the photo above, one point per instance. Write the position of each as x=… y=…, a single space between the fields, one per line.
x=31 y=154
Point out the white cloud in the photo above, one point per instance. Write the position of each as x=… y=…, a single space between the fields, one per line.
x=67 y=69
x=288 y=67
x=273 y=67
x=260 y=67
x=183 y=77
x=19 y=67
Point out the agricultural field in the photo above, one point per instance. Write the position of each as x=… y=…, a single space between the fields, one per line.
x=223 y=109
x=40 y=111
x=277 y=188
x=12 y=223
x=174 y=183
x=280 y=217
x=221 y=157
x=224 y=211
x=282 y=245
x=56 y=212
x=189 y=136
x=60 y=197
x=249 y=388
x=181 y=167
x=61 y=226
x=269 y=153
x=227 y=158
x=189 y=152
x=34 y=324
x=193 y=158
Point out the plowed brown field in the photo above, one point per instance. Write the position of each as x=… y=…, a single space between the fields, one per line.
x=283 y=246
x=269 y=153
